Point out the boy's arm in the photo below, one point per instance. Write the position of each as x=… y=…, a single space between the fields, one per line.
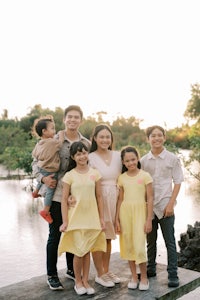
x=48 y=180
x=169 y=209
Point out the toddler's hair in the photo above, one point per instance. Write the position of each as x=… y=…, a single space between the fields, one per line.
x=40 y=124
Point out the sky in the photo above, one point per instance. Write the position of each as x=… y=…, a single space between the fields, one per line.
x=126 y=58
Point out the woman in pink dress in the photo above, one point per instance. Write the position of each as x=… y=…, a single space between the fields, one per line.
x=108 y=163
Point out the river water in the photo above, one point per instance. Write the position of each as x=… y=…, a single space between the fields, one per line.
x=23 y=233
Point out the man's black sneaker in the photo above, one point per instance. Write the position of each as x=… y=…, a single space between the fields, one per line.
x=54 y=283
x=151 y=273
x=70 y=274
x=173 y=282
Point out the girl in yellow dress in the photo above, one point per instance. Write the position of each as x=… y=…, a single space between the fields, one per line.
x=134 y=215
x=83 y=224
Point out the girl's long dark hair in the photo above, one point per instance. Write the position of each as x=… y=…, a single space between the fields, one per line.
x=129 y=149
x=75 y=147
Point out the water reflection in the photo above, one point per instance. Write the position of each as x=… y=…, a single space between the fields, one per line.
x=23 y=233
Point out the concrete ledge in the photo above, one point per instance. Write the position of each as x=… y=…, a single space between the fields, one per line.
x=37 y=288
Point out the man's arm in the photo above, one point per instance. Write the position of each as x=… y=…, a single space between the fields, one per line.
x=48 y=180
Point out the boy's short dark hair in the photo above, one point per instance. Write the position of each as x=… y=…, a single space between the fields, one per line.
x=151 y=128
x=73 y=107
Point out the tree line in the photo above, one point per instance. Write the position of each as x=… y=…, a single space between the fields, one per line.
x=17 y=141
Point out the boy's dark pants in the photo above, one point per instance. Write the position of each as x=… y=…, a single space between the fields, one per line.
x=167 y=228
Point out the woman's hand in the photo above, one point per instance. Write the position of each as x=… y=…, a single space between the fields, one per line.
x=71 y=201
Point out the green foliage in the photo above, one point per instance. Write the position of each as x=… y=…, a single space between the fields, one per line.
x=26 y=123
x=193 y=106
x=17 y=142
x=11 y=136
x=87 y=127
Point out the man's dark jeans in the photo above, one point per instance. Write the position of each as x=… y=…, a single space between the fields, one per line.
x=167 y=228
x=53 y=241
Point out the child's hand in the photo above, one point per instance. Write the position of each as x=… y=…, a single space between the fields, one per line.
x=168 y=211
x=102 y=224
x=63 y=227
x=148 y=226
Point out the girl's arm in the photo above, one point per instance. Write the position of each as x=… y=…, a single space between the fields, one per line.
x=119 y=202
x=64 y=206
x=99 y=202
x=149 y=195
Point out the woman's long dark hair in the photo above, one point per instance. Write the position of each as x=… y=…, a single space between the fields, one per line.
x=129 y=149
x=97 y=129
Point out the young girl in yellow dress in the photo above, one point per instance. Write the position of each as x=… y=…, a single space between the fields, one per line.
x=83 y=224
x=134 y=215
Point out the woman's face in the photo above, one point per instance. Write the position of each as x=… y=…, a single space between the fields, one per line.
x=103 y=139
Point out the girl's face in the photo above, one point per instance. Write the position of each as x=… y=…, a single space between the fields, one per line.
x=130 y=161
x=81 y=157
x=103 y=139
x=156 y=138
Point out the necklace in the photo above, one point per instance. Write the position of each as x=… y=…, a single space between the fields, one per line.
x=105 y=157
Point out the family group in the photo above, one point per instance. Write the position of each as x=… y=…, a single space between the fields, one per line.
x=93 y=193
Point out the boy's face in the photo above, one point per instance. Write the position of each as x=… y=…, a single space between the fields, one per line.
x=156 y=139
x=50 y=131
x=72 y=120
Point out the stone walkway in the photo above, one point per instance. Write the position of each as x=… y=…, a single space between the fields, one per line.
x=37 y=288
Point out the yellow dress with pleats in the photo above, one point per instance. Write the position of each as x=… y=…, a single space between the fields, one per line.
x=133 y=216
x=84 y=233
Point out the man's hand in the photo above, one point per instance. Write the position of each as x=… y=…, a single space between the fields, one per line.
x=49 y=181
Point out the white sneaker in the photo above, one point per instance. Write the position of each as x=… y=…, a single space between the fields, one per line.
x=90 y=291
x=132 y=285
x=81 y=290
x=144 y=287
x=104 y=280
x=113 y=277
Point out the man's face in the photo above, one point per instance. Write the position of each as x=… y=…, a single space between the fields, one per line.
x=72 y=120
